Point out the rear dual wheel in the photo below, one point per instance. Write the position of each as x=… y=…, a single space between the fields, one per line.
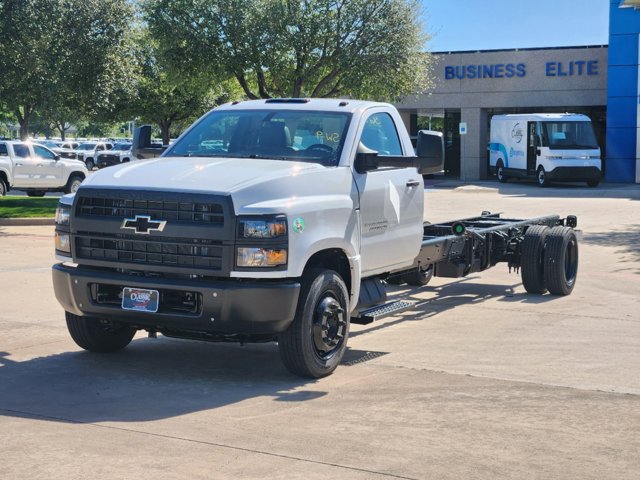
x=549 y=260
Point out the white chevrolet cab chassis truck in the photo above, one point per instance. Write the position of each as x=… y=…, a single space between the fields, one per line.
x=277 y=220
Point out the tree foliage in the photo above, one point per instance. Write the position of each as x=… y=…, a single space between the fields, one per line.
x=62 y=58
x=318 y=48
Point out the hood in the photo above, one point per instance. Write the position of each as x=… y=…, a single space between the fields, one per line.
x=197 y=174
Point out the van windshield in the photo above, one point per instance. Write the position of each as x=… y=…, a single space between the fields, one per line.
x=568 y=135
x=299 y=135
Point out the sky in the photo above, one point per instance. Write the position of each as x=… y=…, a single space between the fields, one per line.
x=456 y=25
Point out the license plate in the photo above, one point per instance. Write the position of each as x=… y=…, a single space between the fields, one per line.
x=140 y=299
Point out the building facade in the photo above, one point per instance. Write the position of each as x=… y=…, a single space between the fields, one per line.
x=599 y=81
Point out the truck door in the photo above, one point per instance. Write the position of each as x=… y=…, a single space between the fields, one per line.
x=49 y=171
x=533 y=146
x=391 y=200
x=24 y=165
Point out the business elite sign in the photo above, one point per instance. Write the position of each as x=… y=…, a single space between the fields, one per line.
x=575 y=68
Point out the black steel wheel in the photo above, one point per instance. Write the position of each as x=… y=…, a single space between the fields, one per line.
x=561 y=260
x=532 y=259
x=315 y=342
x=541 y=177
x=502 y=177
x=420 y=276
x=98 y=335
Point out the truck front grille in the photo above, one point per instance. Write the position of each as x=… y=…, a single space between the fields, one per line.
x=210 y=213
x=173 y=252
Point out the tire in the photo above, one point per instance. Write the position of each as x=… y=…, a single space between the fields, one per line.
x=89 y=163
x=35 y=193
x=73 y=184
x=561 y=260
x=532 y=259
x=92 y=335
x=306 y=348
x=541 y=177
x=500 y=175
x=593 y=183
x=419 y=277
x=3 y=188
x=125 y=160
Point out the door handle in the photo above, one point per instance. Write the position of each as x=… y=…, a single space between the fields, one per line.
x=413 y=183
x=40 y=165
x=18 y=164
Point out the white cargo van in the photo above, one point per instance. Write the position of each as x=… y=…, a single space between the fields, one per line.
x=546 y=146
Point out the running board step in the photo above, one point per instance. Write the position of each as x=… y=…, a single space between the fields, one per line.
x=372 y=314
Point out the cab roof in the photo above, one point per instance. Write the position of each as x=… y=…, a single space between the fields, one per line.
x=323 y=104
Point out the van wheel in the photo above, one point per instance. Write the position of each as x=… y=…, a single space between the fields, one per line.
x=3 y=188
x=561 y=260
x=36 y=193
x=593 y=183
x=542 y=177
x=502 y=177
x=73 y=184
x=532 y=259
x=97 y=335
x=315 y=342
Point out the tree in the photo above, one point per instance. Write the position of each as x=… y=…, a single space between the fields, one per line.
x=172 y=98
x=61 y=57
x=318 y=48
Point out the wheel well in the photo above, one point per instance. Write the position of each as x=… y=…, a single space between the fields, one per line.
x=76 y=174
x=3 y=177
x=333 y=259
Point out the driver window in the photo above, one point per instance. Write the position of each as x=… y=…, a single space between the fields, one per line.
x=43 y=152
x=380 y=134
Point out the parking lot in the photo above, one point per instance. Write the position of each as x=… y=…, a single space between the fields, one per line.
x=480 y=380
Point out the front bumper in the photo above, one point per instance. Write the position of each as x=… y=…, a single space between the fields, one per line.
x=574 y=173
x=228 y=307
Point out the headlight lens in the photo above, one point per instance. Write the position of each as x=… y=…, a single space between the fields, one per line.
x=272 y=228
x=261 y=257
x=63 y=243
x=62 y=214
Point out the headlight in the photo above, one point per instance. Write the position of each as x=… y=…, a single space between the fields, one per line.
x=270 y=228
x=261 y=257
x=63 y=243
x=62 y=214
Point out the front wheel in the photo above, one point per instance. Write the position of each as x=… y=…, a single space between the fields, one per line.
x=3 y=188
x=89 y=163
x=502 y=177
x=73 y=184
x=542 y=177
x=315 y=342
x=98 y=335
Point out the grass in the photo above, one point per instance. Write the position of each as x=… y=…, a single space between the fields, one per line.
x=26 y=207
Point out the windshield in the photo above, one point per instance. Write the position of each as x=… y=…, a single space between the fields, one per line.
x=568 y=135
x=299 y=135
x=49 y=143
x=86 y=146
x=121 y=146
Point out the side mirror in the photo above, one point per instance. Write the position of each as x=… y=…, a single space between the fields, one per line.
x=430 y=152
x=56 y=157
x=366 y=159
x=142 y=147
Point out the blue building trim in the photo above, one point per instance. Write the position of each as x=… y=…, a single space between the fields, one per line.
x=622 y=93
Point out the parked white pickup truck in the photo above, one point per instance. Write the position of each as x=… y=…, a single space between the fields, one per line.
x=277 y=220
x=37 y=170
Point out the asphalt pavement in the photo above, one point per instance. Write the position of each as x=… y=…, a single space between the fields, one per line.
x=480 y=381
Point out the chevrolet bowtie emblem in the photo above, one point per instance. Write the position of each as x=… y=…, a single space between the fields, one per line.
x=143 y=224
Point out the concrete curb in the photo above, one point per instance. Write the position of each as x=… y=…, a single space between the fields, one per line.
x=26 y=222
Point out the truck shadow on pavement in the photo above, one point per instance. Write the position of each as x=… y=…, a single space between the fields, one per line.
x=626 y=243
x=149 y=380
